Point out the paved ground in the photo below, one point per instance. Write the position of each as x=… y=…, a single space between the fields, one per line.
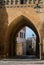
x=22 y=62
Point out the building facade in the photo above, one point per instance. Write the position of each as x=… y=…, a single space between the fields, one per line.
x=31 y=45
x=21 y=42
x=14 y=17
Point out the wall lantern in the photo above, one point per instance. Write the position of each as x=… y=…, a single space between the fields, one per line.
x=37 y=8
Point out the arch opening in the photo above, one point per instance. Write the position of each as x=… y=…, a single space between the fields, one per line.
x=21 y=22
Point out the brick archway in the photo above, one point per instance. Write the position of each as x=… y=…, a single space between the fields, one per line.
x=14 y=28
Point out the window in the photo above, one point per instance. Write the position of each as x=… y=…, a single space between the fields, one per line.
x=21 y=34
x=24 y=35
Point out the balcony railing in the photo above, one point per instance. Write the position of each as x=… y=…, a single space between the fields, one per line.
x=7 y=2
x=20 y=6
x=17 y=3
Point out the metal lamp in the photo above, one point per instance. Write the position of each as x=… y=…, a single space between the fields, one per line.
x=37 y=8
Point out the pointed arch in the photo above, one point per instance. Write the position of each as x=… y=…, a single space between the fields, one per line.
x=16 y=26
x=20 y=22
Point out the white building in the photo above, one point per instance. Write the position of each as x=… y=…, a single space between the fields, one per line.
x=21 y=42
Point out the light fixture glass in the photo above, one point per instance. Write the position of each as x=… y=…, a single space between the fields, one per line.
x=37 y=8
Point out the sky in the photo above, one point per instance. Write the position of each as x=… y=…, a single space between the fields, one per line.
x=29 y=32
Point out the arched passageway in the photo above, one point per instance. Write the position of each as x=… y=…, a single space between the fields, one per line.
x=14 y=28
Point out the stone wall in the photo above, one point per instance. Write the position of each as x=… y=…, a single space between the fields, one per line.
x=8 y=16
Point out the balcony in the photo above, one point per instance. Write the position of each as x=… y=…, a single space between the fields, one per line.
x=19 y=5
